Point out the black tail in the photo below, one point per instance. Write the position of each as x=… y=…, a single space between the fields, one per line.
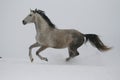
x=95 y=41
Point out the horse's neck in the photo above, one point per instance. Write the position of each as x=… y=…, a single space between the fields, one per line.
x=37 y=28
x=41 y=26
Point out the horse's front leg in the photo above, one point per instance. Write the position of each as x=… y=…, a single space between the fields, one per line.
x=30 y=50
x=39 y=50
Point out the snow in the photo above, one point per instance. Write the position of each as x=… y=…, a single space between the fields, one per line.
x=93 y=66
x=35 y=71
x=101 y=17
x=22 y=70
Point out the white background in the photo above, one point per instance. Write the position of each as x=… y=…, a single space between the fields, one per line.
x=101 y=17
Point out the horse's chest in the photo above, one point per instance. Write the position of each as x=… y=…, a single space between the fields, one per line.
x=37 y=37
x=42 y=39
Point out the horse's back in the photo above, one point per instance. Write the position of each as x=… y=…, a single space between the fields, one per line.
x=65 y=37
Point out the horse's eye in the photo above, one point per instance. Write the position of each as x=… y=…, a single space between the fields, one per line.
x=30 y=15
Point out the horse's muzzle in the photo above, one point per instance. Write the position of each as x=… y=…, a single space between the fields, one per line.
x=24 y=22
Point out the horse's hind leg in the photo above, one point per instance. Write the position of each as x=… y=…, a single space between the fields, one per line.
x=73 y=48
x=72 y=54
x=78 y=40
x=39 y=50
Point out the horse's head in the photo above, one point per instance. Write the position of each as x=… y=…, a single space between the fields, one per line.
x=30 y=18
x=34 y=15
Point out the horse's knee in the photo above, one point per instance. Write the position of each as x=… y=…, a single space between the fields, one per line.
x=32 y=46
x=37 y=53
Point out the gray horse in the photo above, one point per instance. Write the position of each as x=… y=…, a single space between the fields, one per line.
x=47 y=35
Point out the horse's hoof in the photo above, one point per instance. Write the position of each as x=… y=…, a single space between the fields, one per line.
x=32 y=60
x=45 y=59
x=67 y=59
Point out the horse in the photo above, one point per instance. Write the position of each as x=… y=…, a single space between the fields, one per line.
x=48 y=36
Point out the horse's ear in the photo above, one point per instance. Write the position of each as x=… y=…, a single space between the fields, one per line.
x=32 y=11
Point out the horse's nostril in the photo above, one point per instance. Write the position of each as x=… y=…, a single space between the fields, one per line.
x=24 y=22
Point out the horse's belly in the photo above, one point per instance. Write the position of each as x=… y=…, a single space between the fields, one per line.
x=61 y=43
x=44 y=41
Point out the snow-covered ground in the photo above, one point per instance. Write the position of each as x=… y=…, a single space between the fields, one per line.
x=101 y=17
x=24 y=70
x=93 y=66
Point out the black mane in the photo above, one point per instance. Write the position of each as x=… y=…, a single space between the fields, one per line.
x=45 y=17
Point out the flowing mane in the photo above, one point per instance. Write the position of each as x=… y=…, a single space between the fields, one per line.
x=40 y=12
